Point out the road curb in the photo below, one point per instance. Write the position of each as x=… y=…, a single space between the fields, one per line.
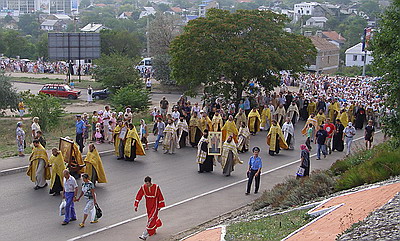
x=16 y=170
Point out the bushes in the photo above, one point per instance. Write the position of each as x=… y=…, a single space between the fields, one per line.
x=384 y=165
x=294 y=191
x=136 y=98
x=47 y=108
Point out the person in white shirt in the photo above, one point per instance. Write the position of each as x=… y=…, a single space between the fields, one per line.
x=35 y=127
x=175 y=115
x=106 y=119
x=348 y=134
x=70 y=192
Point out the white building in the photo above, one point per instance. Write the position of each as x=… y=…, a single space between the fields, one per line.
x=355 y=56
x=316 y=22
x=93 y=27
x=147 y=12
x=305 y=8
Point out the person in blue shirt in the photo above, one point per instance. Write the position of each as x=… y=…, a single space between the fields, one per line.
x=255 y=165
x=247 y=106
x=80 y=129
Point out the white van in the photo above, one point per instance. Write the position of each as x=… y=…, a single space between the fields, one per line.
x=146 y=63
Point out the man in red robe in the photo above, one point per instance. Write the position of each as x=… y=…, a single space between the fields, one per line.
x=154 y=202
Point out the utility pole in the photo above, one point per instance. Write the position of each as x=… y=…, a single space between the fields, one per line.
x=147 y=35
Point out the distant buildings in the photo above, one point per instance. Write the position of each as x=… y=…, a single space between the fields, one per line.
x=316 y=22
x=205 y=5
x=334 y=37
x=17 y=7
x=355 y=56
x=147 y=12
x=305 y=8
x=327 y=59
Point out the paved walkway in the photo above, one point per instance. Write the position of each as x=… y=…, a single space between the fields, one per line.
x=350 y=208
x=49 y=76
x=213 y=234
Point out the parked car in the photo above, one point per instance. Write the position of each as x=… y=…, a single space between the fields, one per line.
x=101 y=94
x=60 y=90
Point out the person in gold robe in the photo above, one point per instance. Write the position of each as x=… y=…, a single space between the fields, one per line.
x=280 y=114
x=240 y=117
x=217 y=122
x=320 y=117
x=310 y=120
x=94 y=166
x=229 y=157
x=205 y=122
x=312 y=107
x=343 y=117
x=229 y=129
x=56 y=162
x=276 y=139
x=133 y=145
x=170 y=138
x=75 y=164
x=254 y=121
x=38 y=169
x=116 y=139
x=333 y=109
x=195 y=132
x=265 y=118
x=244 y=138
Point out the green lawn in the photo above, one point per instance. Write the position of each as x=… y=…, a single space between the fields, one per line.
x=83 y=84
x=270 y=228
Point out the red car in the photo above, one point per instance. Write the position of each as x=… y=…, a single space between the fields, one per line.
x=60 y=90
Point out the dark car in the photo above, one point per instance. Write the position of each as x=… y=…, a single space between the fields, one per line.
x=60 y=90
x=101 y=94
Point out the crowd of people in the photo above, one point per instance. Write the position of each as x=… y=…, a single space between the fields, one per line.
x=333 y=108
x=42 y=67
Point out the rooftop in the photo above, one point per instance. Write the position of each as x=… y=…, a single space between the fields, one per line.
x=323 y=44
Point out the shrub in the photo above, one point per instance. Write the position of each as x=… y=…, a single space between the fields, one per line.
x=384 y=165
x=46 y=107
x=8 y=94
x=136 y=98
x=295 y=192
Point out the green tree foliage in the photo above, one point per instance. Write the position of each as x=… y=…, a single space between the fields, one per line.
x=353 y=29
x=137 y=98
x=163 y=29
x=18 y=45
x=117 y=71
x=42 y=46
x=120 y=42
x=162 y=70
x=370 y=7
x=386 y=53
x=225 y=51
x=29 y=24
x=46 y=107
x=8 y=94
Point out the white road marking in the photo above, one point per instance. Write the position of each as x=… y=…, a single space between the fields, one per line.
x=189 y=199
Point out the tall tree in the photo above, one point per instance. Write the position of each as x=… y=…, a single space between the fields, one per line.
x=8 y=94
x=225 y=51
x=120 y=42
x=29 y=24
x=386 y=53
x=163 y=29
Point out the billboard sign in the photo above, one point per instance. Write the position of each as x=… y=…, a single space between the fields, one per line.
x=74 y=46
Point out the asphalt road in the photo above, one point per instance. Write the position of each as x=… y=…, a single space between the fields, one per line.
x=33 y=215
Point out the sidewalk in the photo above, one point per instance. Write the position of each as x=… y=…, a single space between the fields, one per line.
x=49 y=76
x=16 y=164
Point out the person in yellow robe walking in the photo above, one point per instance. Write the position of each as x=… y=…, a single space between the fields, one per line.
x=229 y=157
x=254 y=121
x=276 y=139
x=94 y=166
x=57 y=165
x=217 y=122
x=133 y=145
x=343 y=117
x=38 y=169
x=320 y=117
x=266 y=118
x=229 y=129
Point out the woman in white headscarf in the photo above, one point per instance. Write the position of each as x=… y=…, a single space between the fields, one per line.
x=35 y=127
x=20 y=133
